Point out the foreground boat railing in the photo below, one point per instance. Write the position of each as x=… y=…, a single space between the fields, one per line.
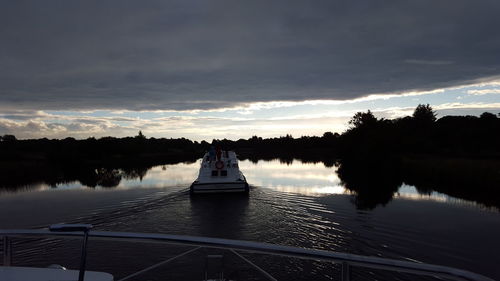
x=346 y=260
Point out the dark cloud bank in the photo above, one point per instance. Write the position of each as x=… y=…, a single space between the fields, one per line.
x=205 y=54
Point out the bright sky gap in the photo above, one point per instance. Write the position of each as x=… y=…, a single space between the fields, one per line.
x=268 y=119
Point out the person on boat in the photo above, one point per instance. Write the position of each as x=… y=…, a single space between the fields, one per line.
x=219 y=152
x=211 y=153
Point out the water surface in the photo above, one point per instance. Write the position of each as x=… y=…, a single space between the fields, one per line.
x=297 y=204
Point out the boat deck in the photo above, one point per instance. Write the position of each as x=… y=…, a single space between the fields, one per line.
x=347 y=261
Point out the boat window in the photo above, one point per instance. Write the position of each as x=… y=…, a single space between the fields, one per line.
x=215 y=173
x=223 y=173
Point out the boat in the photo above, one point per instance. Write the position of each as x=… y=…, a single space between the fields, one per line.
x=219 y=172
x=347 y=262
x=53 y=272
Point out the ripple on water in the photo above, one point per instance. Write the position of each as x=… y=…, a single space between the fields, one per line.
x=325 y=222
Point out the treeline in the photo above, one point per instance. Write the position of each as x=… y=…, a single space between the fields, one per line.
x=104 y=151
x=421 y=133
x=90 y=161
x=286 y=148
x=455 y=155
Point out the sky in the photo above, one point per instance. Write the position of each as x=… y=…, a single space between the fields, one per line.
x=235 y=69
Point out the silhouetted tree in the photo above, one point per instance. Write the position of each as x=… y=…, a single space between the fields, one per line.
x=362 y=119
x=140 y=136
x=424 y=114
x=9 y=138
x=328 y=135
x=488 y=116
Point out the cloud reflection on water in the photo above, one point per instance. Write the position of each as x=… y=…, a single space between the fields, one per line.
x=311 y=179
x=298 y=177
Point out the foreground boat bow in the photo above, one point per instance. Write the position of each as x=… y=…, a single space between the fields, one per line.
x=347 y=261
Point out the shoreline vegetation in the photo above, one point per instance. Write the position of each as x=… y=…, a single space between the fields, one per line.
x=455 y=155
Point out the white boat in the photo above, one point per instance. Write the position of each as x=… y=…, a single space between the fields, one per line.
x=219 y=173
x=347 y=262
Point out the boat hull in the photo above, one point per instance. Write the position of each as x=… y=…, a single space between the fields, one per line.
x=219 y=187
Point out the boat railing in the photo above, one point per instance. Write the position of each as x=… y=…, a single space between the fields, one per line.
x=235 y=246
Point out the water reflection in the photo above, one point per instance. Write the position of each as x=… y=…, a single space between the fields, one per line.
x=297 y=177
x=370 y=183
x=374 y=182
x=98 y=178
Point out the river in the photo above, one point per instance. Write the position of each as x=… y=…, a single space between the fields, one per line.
x=296 y=204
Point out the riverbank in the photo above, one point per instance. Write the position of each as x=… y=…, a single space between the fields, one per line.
x=475 y=179
x=33 y=169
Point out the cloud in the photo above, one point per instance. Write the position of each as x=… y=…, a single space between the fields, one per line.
x=428 y=62
x=60 y=126
x=193 y=127
x=483 y=92
x=183 y=55
x=23 y=114
x=472 y=105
